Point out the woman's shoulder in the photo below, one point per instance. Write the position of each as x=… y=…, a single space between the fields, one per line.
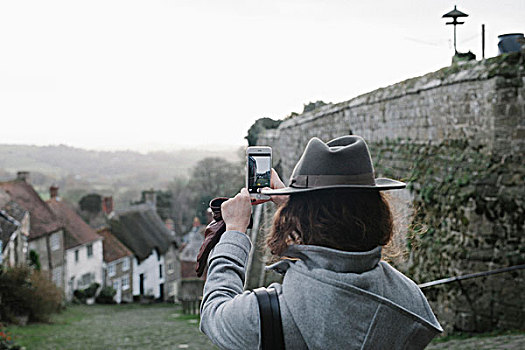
x=405 y=292
x=397 y=282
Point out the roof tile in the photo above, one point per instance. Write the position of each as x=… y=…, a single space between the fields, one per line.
x=43 y=220
x=77 y=231
x=112 y=247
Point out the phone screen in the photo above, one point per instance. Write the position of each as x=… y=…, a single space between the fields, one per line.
x=259 y=171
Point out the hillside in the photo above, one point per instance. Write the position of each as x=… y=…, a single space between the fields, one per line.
x=122 y=174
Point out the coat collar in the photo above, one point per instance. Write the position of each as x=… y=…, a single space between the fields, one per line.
x=317 y=257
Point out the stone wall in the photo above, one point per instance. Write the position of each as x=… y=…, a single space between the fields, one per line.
x=457 y=137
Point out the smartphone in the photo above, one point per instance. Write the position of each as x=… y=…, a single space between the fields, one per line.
x=258 y=170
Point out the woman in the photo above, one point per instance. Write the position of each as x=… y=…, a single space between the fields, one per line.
x=330 y=225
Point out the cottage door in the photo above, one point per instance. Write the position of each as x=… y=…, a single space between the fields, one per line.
x=117 y=286
x=141 y=284
x=70 y=287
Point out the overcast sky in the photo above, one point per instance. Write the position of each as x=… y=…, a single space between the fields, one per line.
x=160 y=74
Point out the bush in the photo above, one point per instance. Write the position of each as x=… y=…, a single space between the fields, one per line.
x=260 y=125
x=47 y=298
x=90 y=292
x=79 y=295
x=106 y=296
x=27 y=293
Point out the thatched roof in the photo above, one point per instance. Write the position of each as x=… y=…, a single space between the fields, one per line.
x=142 y=230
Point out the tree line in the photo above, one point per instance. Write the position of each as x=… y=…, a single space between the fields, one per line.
x=187 y=197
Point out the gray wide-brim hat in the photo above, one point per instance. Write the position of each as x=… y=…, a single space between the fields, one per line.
x=344 y=162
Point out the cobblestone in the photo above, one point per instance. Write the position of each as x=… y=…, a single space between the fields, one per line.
x=115 y=327
x=163 y=326
x=516 y=341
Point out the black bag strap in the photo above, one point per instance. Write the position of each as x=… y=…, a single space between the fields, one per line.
x=271 y=325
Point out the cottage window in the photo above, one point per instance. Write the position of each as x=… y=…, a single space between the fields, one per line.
x=111 y=270
x=171 y=267
x=115 y=285
x=125 y=282
x=160 y=271
x=76 y=255
x=125 y=264
x=89 y=250
x=54 y=241
x=85 y=280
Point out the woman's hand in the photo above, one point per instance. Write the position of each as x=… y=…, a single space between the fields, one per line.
x=236 y=211
x=275 y=183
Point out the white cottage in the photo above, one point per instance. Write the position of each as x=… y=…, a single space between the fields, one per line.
x=142 y=231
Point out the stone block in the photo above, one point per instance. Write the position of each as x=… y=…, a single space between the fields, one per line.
x=499 y=109
x=465 y=322
x=519 y=133
x=481 y=254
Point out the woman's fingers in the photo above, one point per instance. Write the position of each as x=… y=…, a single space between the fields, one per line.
x=279 y=200
x=275 y=180
x=236 y=211
x=276 y=183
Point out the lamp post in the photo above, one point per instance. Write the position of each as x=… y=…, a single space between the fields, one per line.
x=454 y=14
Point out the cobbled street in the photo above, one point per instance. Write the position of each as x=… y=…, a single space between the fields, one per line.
x=163 y=326
x=516 y=341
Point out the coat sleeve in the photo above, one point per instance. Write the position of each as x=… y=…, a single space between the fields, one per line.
x=229 y=316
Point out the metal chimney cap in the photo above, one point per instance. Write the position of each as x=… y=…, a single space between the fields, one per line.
x=455 y=13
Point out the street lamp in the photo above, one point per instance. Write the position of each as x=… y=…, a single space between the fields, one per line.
x=454 y=14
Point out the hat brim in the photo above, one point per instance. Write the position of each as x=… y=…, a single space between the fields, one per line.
x=382 y=184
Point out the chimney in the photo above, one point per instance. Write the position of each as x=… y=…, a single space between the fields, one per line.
x=150 y=197
x=53 y=191
x=23 y=176
x=107 y=205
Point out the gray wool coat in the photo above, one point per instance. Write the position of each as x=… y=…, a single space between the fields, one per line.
x=329 y=299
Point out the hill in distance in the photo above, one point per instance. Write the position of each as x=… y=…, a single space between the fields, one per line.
x=123 y=174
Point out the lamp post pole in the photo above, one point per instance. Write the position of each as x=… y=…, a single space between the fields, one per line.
x=454 y=14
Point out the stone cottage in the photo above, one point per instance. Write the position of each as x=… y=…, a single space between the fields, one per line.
x=118 y=271
x=83 y=257
x=46 y=236
x=14 y=232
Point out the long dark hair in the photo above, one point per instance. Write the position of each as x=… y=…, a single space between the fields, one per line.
x=341 y=219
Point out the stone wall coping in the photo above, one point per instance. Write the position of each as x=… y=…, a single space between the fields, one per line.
x=455 y=74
